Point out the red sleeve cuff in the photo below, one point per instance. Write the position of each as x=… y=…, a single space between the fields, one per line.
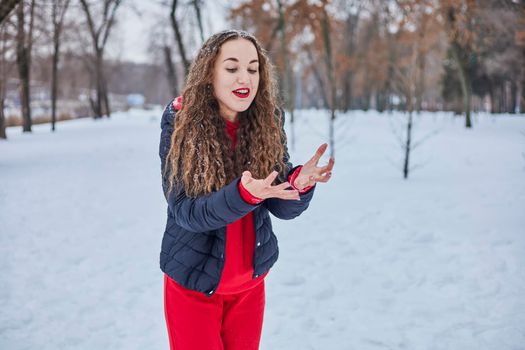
x=247 y=196
x=292 y=177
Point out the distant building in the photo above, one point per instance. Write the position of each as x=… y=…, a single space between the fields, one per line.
x=136 y=100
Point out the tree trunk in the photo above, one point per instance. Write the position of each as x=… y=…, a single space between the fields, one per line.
x=421 y=61
x=197 y=7
x=503 y=100
x=287 y=87
x=99 y=36
x=25 y=101
x=492 y=98
x=172 y=76
x=23 y=59
x=105 y=93
x=54 y=82
x=420 y=82
x=318 y=77
x=284 y=86
x=464 y=80
x=407 y=145
x=513 y=97
x=351 y=23
x=102 y=83
x=462 y=65
x=347 y=92
x=97 y=103
x=3 y=134
x=522 y=97
x=3 y=81
x=331 y=77
x=101 y=104
x=59 y=10
x=178 y=37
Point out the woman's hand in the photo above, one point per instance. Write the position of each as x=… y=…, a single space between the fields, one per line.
x=263 y=188
x=311 y=173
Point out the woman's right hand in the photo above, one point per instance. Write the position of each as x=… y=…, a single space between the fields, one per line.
x=263 y=188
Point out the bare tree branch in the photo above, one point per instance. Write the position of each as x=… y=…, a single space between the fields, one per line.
x=109 y=22
x=425 y=138
x=6 y=6
x=178 y=36
x=197 y=4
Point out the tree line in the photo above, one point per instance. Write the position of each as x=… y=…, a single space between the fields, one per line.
x=412 y=55
x=461 y=55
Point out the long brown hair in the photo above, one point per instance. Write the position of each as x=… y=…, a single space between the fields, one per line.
x=200 y=157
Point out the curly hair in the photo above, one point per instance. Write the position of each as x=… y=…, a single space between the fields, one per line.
x=200 y=158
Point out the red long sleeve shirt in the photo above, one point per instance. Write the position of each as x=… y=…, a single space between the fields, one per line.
x=240 y=239
x=240 y=243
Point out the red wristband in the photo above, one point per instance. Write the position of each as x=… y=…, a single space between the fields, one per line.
x=292 y=177
x=247 y=196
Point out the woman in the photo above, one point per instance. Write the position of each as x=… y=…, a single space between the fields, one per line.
x=218 y=244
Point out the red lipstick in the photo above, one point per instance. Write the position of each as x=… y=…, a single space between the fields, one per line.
x=242 y=92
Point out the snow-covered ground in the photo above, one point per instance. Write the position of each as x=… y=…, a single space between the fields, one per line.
x=376 y=262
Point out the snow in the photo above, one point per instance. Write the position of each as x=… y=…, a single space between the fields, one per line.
x=376 y=262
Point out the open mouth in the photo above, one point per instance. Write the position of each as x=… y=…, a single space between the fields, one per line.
x=242 y=93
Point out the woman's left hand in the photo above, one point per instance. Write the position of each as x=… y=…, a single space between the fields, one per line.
x=311 y=173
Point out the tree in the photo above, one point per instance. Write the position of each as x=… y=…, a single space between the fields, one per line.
x=347 y=58
x=287 y=86
x=6 y=52
x=59 y=8
x=520 y=41
x=24 y=40
x=502 y=58
x=257 y=16
x=413 y=43
x=178 y=36
x=405 y=82
x=375 y=54
x=460 y=22
x=170 y=66
x=330 y=69
x=421 y=16
x=99 y=36
x=197 y=5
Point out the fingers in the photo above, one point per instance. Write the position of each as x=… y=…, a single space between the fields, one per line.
x=331 y=163
x=246 y=177
x=318 y=154
x=282 y=186
x=264 y=189
x=269 y=179
x=328 y=167
x=280 y=191
x=325 y=177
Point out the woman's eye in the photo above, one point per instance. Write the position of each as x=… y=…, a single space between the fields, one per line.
x=252 y=71
x=231 y=70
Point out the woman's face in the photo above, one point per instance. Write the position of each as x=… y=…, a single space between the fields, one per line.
x=235 y=77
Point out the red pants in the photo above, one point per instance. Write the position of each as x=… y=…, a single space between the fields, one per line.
x=219 y=322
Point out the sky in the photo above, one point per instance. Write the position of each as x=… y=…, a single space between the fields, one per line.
x=137 y=22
